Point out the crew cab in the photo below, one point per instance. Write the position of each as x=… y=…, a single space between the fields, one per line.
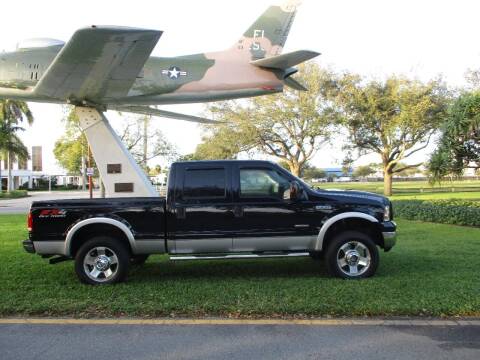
x=216 y=210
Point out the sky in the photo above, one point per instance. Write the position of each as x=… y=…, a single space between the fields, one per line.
x=374 y=38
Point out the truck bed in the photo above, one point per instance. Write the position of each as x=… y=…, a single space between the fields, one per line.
x=52 y=219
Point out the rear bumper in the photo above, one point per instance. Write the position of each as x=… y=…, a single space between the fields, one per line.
x=28 y=246
x=389 y=232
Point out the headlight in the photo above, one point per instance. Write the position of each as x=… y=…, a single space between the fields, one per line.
x=386 y=214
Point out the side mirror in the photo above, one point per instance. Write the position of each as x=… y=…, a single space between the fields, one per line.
x=295 y=191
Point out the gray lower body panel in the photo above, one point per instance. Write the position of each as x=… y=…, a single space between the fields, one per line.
x=242 y=244
x=205 y=245
x=274 y=243
x=149 y=246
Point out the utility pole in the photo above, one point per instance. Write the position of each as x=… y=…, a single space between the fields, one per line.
x=84 y=170
x=146 y=121
x=90 y=187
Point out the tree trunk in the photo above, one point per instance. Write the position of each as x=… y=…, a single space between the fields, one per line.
x=387 y=182
x=295 y=169
x=1 y=180
x=9 y=169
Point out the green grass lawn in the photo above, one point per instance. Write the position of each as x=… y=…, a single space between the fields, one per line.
x=433 y=270
x=463 y=189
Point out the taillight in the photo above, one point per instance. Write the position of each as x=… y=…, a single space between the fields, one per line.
x=29 y=222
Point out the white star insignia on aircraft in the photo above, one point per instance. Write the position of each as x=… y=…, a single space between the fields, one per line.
x=174 y=72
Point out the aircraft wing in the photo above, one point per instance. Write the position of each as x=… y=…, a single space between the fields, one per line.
x=98 y=63
x=146 y=110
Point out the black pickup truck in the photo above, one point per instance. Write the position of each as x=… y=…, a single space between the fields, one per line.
x=216 y=210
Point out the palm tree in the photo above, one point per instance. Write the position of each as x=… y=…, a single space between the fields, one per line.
x=13 y=149
x=7 y=139
x=12 y=113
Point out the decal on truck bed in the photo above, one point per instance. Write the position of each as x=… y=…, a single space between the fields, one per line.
x=53 y=213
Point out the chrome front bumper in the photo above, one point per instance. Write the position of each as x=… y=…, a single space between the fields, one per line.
x=389 y=240
x=389 y=235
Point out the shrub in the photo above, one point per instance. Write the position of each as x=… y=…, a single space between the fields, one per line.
x=456 y=212
x=13 y=194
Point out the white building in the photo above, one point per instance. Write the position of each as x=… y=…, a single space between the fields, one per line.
x=24 y=174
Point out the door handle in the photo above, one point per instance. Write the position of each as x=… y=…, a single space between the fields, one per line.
x=301 y=226
x=237 y=211
x=180 y=213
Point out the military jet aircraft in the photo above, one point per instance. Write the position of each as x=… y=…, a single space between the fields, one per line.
x=111 y=68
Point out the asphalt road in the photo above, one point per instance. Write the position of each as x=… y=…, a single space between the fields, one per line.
x=127 y=341
x=22 y=205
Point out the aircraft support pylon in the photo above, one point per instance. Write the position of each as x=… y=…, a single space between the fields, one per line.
x=120 y=173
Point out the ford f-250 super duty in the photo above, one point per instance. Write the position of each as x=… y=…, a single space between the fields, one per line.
x=216 y=210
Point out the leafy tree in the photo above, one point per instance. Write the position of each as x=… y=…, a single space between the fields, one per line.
x=347 y=164
x=312 y=172
x=394 y=119
x=187 y=157
x=408 y=171
x=363 y=171
x=459 y=144
x=71 y=150
x=283 y=164
x=290 y=126
x=143 y=145
x=146 y=143
x=157 y=170
x=472 y=76
x=12 y=114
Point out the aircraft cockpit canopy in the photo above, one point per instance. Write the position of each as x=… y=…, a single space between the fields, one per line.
x=39 y=43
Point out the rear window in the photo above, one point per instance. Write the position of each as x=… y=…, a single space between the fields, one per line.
x=204 y=184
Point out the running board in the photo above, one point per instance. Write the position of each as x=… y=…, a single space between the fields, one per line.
x=237 y=256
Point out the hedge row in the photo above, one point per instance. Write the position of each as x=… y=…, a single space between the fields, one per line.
x=13 y=194
x=456 y=212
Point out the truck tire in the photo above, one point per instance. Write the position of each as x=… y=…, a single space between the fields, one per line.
x=138 y=259
x=352 y=255
x=102 y=260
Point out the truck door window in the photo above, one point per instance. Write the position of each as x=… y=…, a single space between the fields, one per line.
x=263 y=183
x=204 y=184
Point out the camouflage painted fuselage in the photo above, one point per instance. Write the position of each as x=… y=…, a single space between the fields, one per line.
x=184 y=79
x=93 y=67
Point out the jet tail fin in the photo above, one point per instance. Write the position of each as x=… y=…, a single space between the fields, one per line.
x=294 y=84
x=284 y=65
x=268 y=34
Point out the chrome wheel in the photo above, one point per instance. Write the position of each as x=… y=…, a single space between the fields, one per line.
x=100 y=264
x=353 y=258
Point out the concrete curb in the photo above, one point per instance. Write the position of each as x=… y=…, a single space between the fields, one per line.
x=306 y=322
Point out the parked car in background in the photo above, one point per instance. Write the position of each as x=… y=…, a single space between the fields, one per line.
x=343 y=179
